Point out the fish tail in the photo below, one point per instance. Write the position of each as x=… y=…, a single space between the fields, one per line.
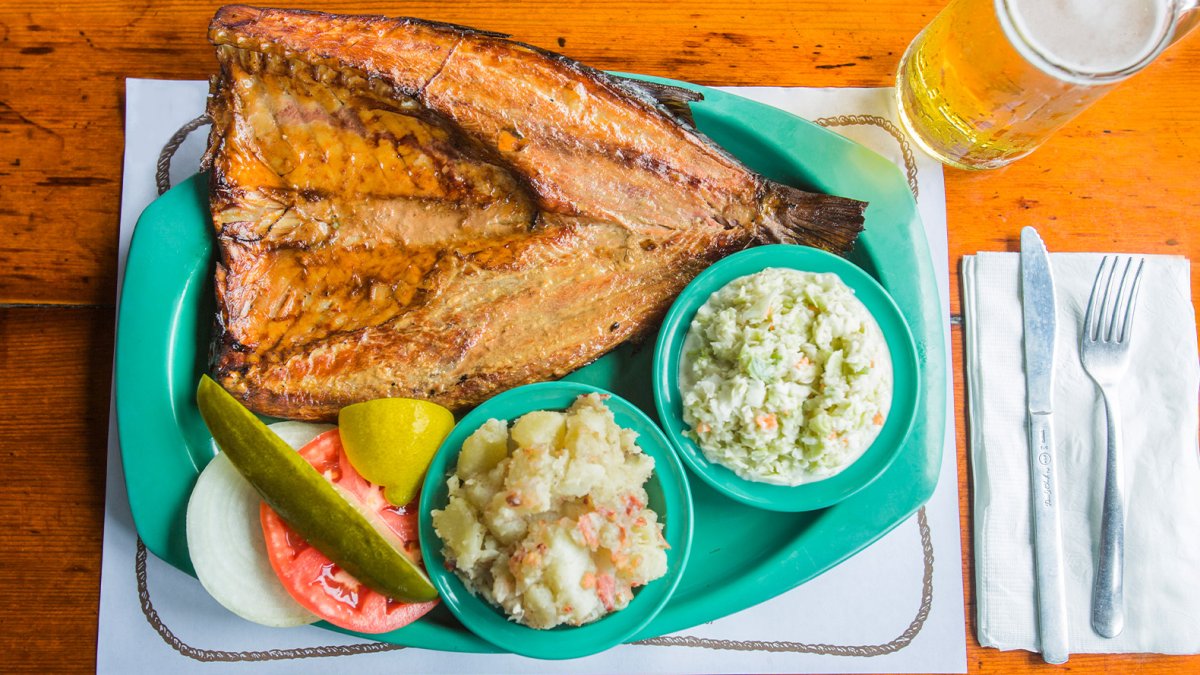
x=792 y=216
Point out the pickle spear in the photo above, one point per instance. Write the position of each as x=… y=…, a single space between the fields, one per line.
x=308 y=503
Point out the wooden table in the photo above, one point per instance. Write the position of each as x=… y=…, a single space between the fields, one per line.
x=1123 y=177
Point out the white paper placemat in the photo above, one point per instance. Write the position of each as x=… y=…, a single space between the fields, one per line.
x=895 y=607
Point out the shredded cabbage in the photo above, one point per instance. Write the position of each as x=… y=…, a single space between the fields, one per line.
x=786 y=377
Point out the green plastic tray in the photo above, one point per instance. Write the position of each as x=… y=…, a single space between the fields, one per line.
x=741 y=556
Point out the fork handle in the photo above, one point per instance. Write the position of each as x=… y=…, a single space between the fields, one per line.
x=1108 y=592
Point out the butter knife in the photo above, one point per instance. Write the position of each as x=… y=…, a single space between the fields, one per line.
x=1038 y=306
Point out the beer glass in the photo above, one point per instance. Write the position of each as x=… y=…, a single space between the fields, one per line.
x=989 y=80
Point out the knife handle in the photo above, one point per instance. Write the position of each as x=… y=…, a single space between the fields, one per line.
x=1047 y=540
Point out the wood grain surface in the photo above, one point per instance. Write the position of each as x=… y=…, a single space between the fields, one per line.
x=1122 y=177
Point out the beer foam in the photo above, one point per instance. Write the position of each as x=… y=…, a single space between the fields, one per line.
x=1092 y=36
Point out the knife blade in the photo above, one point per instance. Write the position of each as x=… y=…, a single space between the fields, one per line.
x=1038 y=308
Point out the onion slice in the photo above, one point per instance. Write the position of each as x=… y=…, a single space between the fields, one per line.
x=225 y=540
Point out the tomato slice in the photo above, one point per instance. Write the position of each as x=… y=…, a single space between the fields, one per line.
x=313 y=579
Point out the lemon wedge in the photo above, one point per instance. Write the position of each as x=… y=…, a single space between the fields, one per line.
x=391 y=441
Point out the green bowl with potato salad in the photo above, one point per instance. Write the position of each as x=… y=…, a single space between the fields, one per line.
x=786 y=377
x=551 y=505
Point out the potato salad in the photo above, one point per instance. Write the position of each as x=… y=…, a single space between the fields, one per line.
x=548 y=520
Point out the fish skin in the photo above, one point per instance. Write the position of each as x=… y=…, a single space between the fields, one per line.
x=392 y=222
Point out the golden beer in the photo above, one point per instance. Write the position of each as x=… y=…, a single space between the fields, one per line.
x=983 y=86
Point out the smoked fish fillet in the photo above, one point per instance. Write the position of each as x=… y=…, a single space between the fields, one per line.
x=405 y=208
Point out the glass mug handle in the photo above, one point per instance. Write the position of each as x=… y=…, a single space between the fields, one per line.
x=1186 y=18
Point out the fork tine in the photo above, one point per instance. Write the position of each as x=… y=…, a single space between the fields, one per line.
x=1113 y=323
x=1104 y=321
x=1127 y=322
x=1090 y=319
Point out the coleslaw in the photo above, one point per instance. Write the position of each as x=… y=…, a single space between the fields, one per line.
x=786 y=377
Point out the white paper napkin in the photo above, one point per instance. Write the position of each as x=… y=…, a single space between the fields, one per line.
x=1159 y=394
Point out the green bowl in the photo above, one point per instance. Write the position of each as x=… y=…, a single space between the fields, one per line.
x=669 y=496
x=905 y=392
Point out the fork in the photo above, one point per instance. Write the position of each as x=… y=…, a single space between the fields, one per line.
x=1104 y=351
